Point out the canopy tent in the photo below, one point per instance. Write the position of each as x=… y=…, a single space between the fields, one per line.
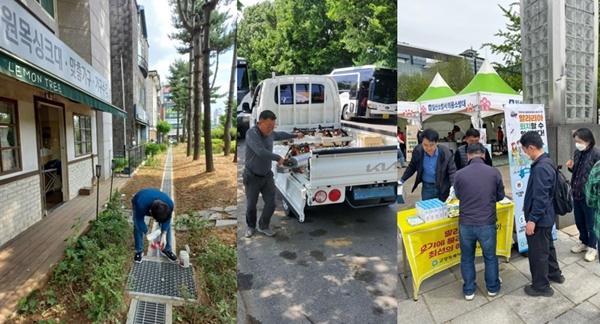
x=492 y=92
x=438 y=88
x=484 y=96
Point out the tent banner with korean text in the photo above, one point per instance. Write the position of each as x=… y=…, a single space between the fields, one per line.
x=520 y=119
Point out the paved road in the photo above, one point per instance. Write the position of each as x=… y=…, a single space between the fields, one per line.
x=338 y=267
x=378 y=126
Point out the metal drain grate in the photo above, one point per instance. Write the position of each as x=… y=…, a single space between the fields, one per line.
x=162 y=279
x=150 y=313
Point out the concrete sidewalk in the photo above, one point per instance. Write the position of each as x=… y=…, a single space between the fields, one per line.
x=441 y=299
x=577 y=300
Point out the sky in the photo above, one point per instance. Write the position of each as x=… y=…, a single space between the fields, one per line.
x=452 y=26
x=162 y=50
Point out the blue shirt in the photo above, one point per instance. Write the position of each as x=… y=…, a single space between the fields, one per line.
x=429 y=164
x=142 y=201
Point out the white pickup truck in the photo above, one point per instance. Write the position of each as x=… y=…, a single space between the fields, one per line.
x=330 y=165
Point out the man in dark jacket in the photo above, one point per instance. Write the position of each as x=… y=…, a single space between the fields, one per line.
x=477 y=221
x=434 y=166
x=540 y=217
x=460 y=156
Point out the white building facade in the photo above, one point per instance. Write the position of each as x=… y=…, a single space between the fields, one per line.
x=55 y=105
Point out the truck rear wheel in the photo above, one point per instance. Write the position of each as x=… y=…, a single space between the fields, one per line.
x=289 y=212
x=346 y=113
x=287 y=209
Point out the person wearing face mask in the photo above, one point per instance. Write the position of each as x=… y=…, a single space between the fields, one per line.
x=258 y=177
x=583 y=160
x=540 y=217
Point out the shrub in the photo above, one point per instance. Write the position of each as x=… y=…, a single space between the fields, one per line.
x=120 y=164
x=217 y=133
x=217 y=145
x=152 y=149
x=163 y=147
x=93 y=271
x=220 y=133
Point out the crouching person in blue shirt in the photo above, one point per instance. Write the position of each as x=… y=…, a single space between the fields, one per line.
x=155 y=203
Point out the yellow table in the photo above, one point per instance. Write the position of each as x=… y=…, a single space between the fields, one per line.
x=433 y=247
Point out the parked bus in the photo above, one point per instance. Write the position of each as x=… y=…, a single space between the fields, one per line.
x=366 y=91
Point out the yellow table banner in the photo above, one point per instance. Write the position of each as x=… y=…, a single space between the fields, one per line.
x=434 y=246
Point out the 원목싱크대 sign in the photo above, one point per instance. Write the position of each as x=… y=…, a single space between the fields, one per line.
x=24 y=36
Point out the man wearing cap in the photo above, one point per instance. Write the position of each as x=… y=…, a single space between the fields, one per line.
x=258 y=177
x=478 y=187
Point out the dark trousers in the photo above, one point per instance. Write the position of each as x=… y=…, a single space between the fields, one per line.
x=584 y=219
x=543 y=264
x=254 y=186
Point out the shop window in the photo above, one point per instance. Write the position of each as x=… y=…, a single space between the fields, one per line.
x=10 y=146
x=82 y=129
x=48 y=6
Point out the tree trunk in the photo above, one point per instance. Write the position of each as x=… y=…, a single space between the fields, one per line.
x=177 y=130
x=196 y=87
x=207 y=10
x=188 y=120
x=212 y=84
x=227 y=136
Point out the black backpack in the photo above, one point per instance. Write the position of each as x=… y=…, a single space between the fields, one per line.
x=563 y=200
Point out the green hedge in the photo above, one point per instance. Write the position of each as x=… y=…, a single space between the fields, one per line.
x=220 y=133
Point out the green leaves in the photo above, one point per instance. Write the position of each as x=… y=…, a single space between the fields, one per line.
x=456 y=72
x=95 y=266
x=296 y=37
x=510 y=48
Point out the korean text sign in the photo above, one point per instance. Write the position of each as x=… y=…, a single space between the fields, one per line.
x=24 y=36
x=520 y=119
x=434 y=246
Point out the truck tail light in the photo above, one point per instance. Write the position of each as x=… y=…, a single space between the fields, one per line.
x=335 y=195
x=320 y=196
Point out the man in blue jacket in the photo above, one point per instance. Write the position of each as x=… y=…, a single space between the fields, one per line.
x=157 y=204
x=540 y=217
x=478 y=187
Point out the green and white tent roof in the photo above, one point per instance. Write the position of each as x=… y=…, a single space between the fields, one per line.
x=438 y=88
x=488 y=80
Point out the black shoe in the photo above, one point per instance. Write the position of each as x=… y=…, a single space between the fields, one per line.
x=548 y=292
x=169 y=255
x=560 y=279
x=137 y=258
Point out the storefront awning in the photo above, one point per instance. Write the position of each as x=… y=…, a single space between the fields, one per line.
x=25 y=72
